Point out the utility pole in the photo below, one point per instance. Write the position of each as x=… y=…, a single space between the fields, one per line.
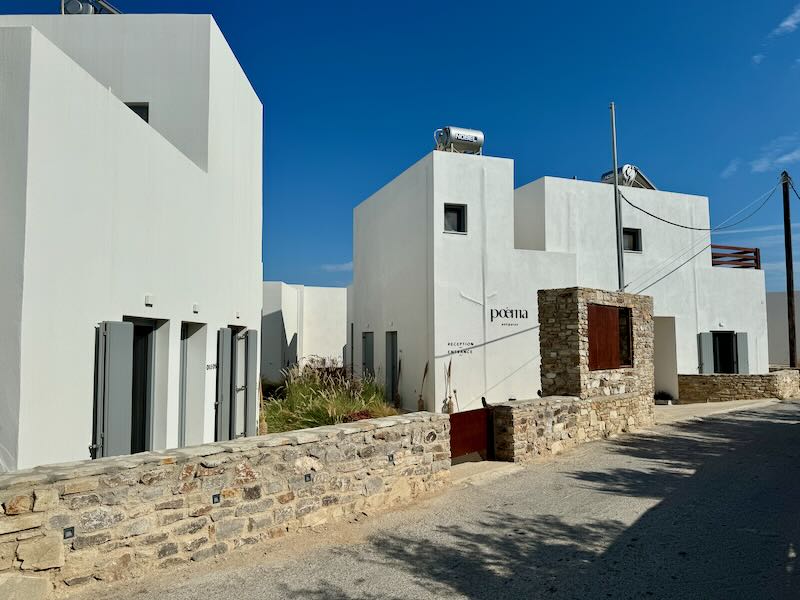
x=787 y=238
x=617 y=209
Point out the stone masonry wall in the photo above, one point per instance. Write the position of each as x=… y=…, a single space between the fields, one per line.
x=117 y=517
x=526 y=429
x=721 y=387
x=564 y=344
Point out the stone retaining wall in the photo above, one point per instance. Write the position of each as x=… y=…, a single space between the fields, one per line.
x=526 y=429
x=117 y=517
x=721 y=387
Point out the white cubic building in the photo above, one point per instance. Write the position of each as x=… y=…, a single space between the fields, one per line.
x=130 y=236
x=778 y=323
x=301 y=323
x=448 y=258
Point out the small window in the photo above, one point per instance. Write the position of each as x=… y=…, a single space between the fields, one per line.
x=140 y=108
x=631 y=239
x=610 y=337
x=455 y=218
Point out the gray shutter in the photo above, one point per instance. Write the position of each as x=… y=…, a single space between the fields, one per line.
x=113 y=389
x=223 y=403
x=705 y=350
x=742 y=363
x=251 y=394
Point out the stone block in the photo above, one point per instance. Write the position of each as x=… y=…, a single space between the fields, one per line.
x=215 y=550
x=41 y=553
x=100 y=518
x=21 y=523
x=24 y=587
x=8 y=552
x=79 y=486
x=86 y=541
x=167 y=550
x=230 y=528
x=190 y=527
x=251 y=508
x=45 y=499
x=17 y=505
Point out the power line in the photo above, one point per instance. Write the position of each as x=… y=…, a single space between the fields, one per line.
x=653 y=270
x=692 y=257
x=717 y=228
x=791 y=184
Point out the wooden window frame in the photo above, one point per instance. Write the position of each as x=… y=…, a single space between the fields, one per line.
x=605 y=341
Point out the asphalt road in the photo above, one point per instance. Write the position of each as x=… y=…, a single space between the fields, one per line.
x=703 y=509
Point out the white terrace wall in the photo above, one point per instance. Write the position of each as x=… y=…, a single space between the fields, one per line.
x=113 y=518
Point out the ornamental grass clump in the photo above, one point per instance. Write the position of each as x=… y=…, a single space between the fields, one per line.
x=316 y=395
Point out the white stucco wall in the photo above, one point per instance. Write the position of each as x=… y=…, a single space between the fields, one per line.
x=480 y=271
x=117 y=210
x=778 y=327
x=14 y=88
x=300 y=323
x=580 y=219
x=161 y=59
x=324 y=322
x=392 y=278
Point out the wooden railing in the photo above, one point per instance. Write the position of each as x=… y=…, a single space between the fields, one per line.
x=735 y=256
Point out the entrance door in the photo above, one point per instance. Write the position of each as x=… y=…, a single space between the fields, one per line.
x=392 y=379
x=237 y=383
x=725 y=359
x=367 y=354
x=223 y=404
x=142 y=386
x=183 y=385
x=113 y=387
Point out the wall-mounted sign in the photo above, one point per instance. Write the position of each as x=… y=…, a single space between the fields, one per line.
x=508 y=317
x=460 y=347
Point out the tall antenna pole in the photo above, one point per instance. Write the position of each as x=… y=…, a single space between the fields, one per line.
x=617 y=209
x=787 y=238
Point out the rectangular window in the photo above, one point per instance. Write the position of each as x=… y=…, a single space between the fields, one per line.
x=140 y=108
x=631 y=239
x=610 y=337
x=455 y=218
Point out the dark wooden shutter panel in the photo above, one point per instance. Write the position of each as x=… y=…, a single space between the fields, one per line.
x=603 y=337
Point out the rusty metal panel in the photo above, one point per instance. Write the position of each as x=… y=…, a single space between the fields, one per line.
x=472 y=431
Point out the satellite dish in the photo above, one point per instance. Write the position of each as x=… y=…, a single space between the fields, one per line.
x=628 y=174
x=76 y=7
x=87 y=7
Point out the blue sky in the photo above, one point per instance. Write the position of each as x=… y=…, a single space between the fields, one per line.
x=707 y=97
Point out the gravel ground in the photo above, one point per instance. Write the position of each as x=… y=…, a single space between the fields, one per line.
x=708 y=508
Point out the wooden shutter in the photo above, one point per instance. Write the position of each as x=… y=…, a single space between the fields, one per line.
x=603 y=337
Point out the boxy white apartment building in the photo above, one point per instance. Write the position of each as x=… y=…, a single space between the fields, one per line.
x=301 y=323
x=448 y=258
x=130 y=236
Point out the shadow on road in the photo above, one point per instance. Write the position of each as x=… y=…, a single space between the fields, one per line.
x=727 y=525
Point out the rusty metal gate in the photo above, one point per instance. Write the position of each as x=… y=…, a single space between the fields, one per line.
x=472 y=431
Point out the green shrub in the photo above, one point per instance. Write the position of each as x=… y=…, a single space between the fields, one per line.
x=315 y=396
